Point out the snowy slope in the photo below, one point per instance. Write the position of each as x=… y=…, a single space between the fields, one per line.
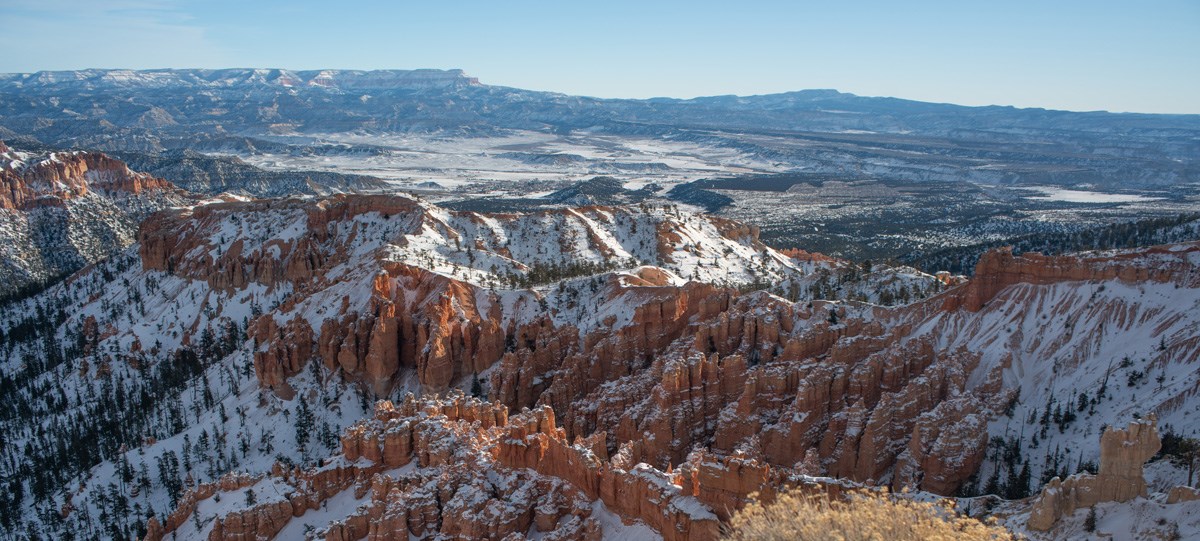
x=129 y=381
x=1083 y=355
x=57 y=215
x=135 y=378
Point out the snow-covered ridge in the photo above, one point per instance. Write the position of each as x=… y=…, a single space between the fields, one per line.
x=30 y=179
x=339 y=256
x=496 y=251
x=1103 y=336
x=220 y=78
x=205 y=279
x=62 y=210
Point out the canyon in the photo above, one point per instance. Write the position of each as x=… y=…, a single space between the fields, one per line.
x=378 y=367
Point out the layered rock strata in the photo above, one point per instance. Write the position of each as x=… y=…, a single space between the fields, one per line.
x=1120 y=479
x=62 y=176
x=642 y=386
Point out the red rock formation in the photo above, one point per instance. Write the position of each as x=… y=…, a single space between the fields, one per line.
x=855 y=401
x=260 y=522
x=642 y=493
x=66 y=175
x=286 y=351
x=999 y=269
x=1182 y=494
x=766 y=386
x=478 y=474
x=156 y=531
x=1120 y=479
x=947 y=445
x=808 y=257
x=725 y=483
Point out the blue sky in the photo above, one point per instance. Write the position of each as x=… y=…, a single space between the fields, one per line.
x=1120 y=56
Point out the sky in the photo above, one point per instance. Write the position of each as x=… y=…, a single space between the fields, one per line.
x=1139 y=56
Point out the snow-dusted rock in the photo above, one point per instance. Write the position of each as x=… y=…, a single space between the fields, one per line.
x=1120 y=479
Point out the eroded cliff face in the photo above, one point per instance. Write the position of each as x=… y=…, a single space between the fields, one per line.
x=1120 y=479
x=50 y=180
x=460 y=468
x=695 y=366
x=159 y=529
x=380 y=284
x=62 y=211
x=668 y=400
x=1000 y=269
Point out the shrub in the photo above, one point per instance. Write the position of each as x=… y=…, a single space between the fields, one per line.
x=863 y=516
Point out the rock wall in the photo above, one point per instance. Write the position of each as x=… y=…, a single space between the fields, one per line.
x=67 y=175
x=63 y=211
x=462 y=468
x=746 y=379
x=1120 y=479
x=635 y=491
x=441 y=327
x=1182 y=494
x=157 y=531
x=998 y=269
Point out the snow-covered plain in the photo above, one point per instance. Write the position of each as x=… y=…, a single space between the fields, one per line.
x=1053 y=193
x=461 y=162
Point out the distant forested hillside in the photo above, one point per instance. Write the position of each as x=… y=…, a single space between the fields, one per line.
x=962 y=260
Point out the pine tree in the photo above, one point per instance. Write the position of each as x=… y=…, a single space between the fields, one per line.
x=304 y=423
x=1022 y=489
x=476 y=388
x=993 y=482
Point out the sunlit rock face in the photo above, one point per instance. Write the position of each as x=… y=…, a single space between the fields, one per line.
x=61 y=211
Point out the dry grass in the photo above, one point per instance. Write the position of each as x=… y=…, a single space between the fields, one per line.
x=864 y=516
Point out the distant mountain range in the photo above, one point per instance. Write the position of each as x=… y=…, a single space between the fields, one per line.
x=818 y=130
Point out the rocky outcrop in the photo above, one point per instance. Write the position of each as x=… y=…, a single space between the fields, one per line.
x=999 y=269
x=472 y=472
x=742 y=351
x=845 y=398
x=644 y=387
x=947 y=446
x=1120 y=479
x=1182 y=494
x=62 y=211
x=156 y=531
x=461 y=467
x=806 y=256
x=633 y=491
x=60 y=176
x=285 y=351
x=727 y=483
x=382 y=293
x=435 y=323
x=259 y=522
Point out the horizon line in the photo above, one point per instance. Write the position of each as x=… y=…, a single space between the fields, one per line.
x=465 y=74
